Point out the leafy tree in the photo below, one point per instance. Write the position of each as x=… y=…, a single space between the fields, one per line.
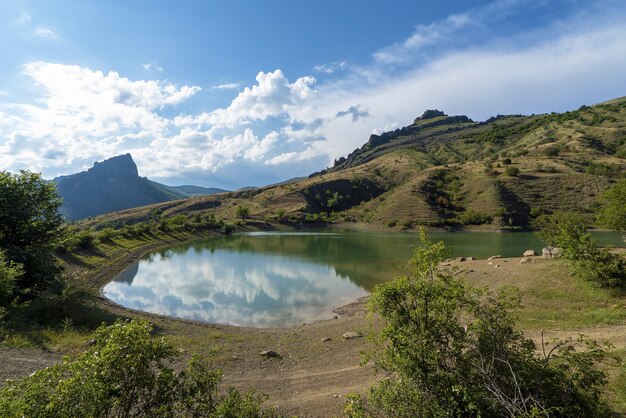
x=30 y=227
x=127 y=373
x=589 y=261
x=613 y=212
x=449 y=349
x=242 y=212
x=9 y=273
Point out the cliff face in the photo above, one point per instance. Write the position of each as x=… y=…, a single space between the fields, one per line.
x=108 y=186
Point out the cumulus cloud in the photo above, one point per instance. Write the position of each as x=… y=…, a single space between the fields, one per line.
x=277 y=128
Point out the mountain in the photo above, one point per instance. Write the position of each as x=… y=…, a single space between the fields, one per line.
x=445 y=170
x=113 y=185
x=188 y=190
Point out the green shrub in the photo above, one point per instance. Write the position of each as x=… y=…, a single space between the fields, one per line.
x=551 y=151
x=471 y=217
x=242 y=212
x=512 y=171
x=177 y=221
x=590 y=262
x=448 y=349
x=9 y=273
x=127 y=373
x=613 y=210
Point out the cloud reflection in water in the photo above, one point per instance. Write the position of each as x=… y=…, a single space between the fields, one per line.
x=238 y=288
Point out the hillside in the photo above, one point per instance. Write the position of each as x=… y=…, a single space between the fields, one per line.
x=114 y=184
x=444 y=171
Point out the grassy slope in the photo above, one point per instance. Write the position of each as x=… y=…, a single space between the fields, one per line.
x=435 y=174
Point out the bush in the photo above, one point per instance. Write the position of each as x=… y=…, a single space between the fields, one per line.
x=126 y=373
x=9 y=273
x=551 y=151
x=590 y=262
x=177 y=221
x=242 y=212
x=449 y=349
x=613 y=210
x=512 y=171
x=471 y=217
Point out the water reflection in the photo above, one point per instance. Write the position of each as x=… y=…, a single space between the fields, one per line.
x=221 y=286
x=276 y=279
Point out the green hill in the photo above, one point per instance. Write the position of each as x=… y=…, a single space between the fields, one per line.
x=444 y=171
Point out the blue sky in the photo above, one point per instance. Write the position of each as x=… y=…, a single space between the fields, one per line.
x=239 y=93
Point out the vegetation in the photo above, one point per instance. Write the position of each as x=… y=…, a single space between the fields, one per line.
x=127 y=373
x=613 y=211
x=242 y=212
x=30 y=228
x=9 y=274
x=512 y=171
x=449 y=349
x=597 y=265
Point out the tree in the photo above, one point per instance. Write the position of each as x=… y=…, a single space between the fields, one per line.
x=9 y=273
x=592 y=263
x=449 y=349
x=242 y=212
x=127 y=373
x=30 y=227
x=613 y=211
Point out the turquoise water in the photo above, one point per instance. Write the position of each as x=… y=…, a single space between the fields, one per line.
x=268 y=279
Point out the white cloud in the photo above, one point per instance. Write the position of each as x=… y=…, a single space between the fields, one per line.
x=332 y=67
x=273 y=95
x=152 y=66
x=277 y=128
x=226 y=86
x=44 y=32
x=559 y=74
x=424 y=35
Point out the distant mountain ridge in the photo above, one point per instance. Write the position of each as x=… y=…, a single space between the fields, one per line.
x=114 y=184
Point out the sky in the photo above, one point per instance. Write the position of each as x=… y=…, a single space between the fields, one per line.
x=246 y=93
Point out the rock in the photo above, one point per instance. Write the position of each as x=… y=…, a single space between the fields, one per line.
x=470 y=259
x=490 y=263
x=325 y=339
x=269 y=353
x=460 y=259
x=551 y=252
x=496 y=265
x=493 y=257
x=351 y=335
x=525 y=260
x=530 y=253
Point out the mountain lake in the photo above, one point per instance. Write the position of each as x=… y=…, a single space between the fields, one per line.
x=270 y=279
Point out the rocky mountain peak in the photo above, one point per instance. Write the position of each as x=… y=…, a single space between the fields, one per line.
x=430 y=114
x=121 y=165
